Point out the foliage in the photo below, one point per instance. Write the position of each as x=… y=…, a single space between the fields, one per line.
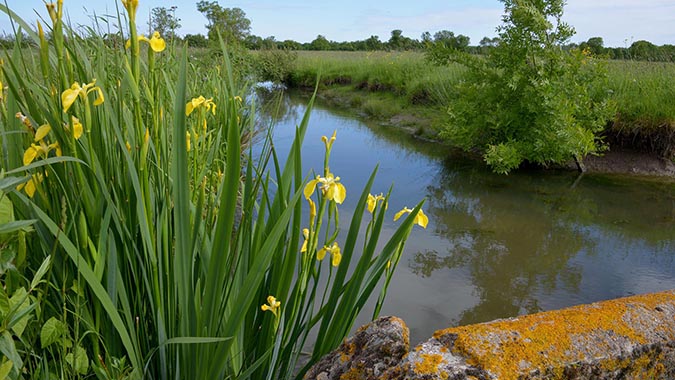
x=164 y=21
x=196 y=40
x=177 y=254
x=275 y=65
x=230 y=22
x=529 y=100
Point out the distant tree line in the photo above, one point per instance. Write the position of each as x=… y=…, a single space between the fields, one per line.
x=235 y=29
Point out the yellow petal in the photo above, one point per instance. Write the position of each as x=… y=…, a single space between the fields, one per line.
x=189 y=108
x=400 y=213
x=312 y=209
x=187 y=141
x=340 y=193
x=157 y=43
x=309 y=188
x=372 y=201
x=99 y=99
x=29 y=155
x=421 y=219
x=322 y=253
x=42 y=132
x=336 y=258
x=127 y=44
x=68 y=96
x=77 y=127
x=30 y=187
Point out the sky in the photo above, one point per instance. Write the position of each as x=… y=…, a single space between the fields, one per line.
x=618 y=22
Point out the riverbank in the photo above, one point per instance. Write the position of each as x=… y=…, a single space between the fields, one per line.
x=403 y=91
x=424 y=123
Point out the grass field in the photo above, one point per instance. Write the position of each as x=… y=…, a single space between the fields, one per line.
x=643 y=91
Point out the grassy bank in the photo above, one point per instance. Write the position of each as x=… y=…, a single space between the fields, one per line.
x=386 y=84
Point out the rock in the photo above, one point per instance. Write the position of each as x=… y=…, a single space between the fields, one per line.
x=374 y=348
x=627 y=338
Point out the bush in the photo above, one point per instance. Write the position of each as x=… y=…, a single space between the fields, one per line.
x=275 y=65
x=528 y=100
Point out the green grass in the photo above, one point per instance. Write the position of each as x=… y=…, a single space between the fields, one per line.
x=146 y=245
x=642 y=91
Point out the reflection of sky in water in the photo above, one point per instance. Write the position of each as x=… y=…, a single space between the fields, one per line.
x=496 y=246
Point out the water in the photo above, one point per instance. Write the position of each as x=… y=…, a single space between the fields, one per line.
x=496 y=246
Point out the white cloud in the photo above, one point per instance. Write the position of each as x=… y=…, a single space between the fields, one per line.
x=621 y=22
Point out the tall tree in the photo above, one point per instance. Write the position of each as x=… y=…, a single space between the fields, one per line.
x=164 y=21
x=231 y=22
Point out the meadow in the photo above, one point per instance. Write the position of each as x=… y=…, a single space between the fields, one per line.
x=140 y=237
x=642 y=91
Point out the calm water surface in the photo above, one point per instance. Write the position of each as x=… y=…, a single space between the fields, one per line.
x=496 y=246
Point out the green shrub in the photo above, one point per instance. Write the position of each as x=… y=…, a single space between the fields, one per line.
x=528 y=100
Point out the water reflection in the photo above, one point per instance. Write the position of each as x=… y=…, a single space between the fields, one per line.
x=498 y=246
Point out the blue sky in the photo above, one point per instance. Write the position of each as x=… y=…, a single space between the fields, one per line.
x=619 y=22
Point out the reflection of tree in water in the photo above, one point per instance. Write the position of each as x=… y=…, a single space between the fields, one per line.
x=516 y=235
x=274 y=106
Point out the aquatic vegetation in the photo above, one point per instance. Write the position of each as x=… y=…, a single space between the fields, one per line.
x=158 y=242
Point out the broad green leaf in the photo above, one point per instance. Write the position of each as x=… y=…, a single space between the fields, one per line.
x=6 y=212
x=81 y=362
x=18 y=303
x=4 y=302
x=5 y=369
x=51 y=331
x=8 y=349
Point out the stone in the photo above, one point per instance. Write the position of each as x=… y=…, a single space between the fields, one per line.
x=374 y=348
x=627 y=338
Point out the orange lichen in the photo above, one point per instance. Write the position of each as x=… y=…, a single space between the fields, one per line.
x=429 y=364
x=347 y=351
x=354 y=373
x=548 y=341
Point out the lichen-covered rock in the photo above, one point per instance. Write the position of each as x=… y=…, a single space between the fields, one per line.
x=628 y=338
x=374 y=348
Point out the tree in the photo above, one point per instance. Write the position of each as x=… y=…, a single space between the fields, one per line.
x=373 y=43
x=196 y=40
x=164 y=21
x=595 y=45
x=231 y=22
x=643 y=51
x=320 y=43
x=459 y=42
x=529 y=100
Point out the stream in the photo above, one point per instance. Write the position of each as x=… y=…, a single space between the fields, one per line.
x=496 y=246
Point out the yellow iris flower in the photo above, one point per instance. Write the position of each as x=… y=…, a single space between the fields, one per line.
x=329 y=141
x=330 y=187
x=312 y=209
x=77 y=127
x=334 y=250
x=130 y=6
x=30 y=186
x=156 y=42
x=272 y=305
x=420 y=219
x=200 y=102
x=305 y=233
x=372 y=201
x=42 y=132
x=68 y=96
